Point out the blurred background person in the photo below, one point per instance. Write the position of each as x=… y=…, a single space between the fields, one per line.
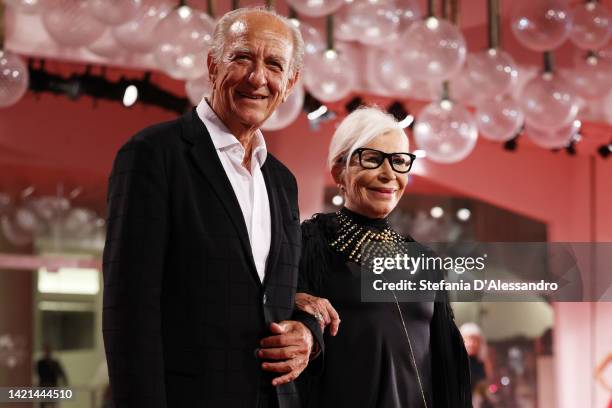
x=50 y=373
x=480 y=370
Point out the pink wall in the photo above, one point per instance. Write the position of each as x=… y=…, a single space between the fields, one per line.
x=41 y=140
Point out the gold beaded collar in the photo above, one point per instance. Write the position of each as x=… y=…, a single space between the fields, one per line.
x=355 y=231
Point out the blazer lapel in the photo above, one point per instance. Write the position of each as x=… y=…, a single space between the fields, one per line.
x=276 y=224
x=207 y=160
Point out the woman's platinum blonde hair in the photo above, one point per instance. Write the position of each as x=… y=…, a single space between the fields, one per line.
x=223 y=26
x=357 y=130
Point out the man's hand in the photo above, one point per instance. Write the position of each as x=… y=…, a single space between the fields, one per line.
x=292 y=343
x=321 y=309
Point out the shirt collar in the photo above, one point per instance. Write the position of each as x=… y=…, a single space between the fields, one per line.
x=223 y=139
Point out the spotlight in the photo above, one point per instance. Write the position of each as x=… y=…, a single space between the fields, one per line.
x=464 y=214
x=436 y=212
x=353 y=104
x=316 y=111
x=605 y=150
x=406 y=122
x=404 y=118
x=97 y=86
x=311 y=104
x=130 y=96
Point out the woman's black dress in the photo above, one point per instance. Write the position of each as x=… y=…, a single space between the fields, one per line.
x=369 y=363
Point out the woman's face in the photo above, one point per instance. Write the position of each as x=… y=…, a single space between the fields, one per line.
x=374 y=192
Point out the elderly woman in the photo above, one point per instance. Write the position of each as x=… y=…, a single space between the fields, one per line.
x=395 y=355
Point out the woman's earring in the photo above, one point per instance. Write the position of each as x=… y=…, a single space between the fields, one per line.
x=338 y=199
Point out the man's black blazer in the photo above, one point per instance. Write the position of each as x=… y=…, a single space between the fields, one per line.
x=184 y=308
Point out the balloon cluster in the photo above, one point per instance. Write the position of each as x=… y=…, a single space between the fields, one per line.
x=51 y=217
x=406 y=54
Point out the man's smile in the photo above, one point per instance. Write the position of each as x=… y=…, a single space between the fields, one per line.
x=251 y=96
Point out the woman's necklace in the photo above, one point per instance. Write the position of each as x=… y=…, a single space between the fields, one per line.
x=352 y=237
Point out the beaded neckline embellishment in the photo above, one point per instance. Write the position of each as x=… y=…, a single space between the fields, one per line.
x=352 y=237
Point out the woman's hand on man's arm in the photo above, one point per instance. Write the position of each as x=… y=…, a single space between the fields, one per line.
x=321 y=309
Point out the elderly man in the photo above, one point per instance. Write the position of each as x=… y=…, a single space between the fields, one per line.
x=203 y=242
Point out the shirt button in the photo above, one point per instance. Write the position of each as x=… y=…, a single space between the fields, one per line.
x=265 y=299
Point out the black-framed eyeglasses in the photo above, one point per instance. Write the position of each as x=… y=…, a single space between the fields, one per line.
x=373 y=159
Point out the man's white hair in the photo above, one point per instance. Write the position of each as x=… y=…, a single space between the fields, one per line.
x=357 y=130
x=472 y=329
x=223 y=26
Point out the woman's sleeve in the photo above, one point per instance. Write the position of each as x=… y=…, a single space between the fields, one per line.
x=313 y=259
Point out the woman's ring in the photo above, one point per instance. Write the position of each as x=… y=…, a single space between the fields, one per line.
x=318 y=316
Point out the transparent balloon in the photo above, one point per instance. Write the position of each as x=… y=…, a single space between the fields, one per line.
x=591 y=77
x=79 y=222
x=408 y=11
x=548 y=102
x=114 y=12
x=198 y=88
x=446 y=131
x=332 y=75
x=183 y=38
x=107 y=47
x=315 y=8
x=605 y=53
x=26 y=220
x=376 y=21
x=27 y=6
x=541 y=25
x=461 y=88
x=490 y=72
x=138 y=34
x=13 y=234
x=426 y=91
x=14 y=78
x=556 y=139
x=287 y=112
x=313 y=41
x=343 y=30
x=592 y=26
x=385 y=73
x=525 y=74
x=49 y=208
x=70 y=23
x=499 y=119
x=434 y=49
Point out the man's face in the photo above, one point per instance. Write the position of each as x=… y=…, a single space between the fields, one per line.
x=252 y=78
x=472 y=344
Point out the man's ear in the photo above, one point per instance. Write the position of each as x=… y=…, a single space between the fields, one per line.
x=291 y=84
x=212 y=68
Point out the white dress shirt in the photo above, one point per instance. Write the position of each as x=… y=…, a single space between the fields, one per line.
x=250 y=188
